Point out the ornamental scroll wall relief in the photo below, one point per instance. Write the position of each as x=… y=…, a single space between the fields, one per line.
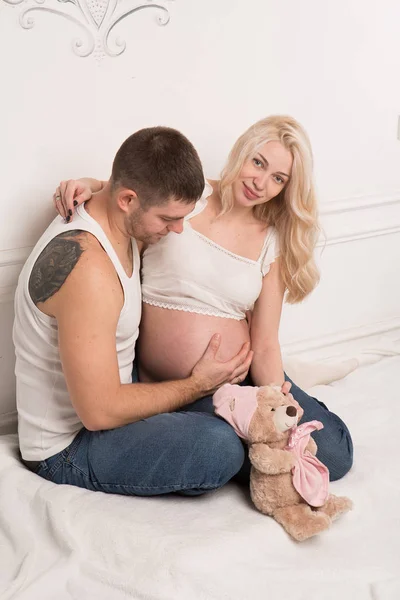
x=97 y=19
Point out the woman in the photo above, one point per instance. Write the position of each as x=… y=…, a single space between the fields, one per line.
x=248 y=242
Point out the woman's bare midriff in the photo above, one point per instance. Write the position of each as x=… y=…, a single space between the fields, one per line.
x=172 y=341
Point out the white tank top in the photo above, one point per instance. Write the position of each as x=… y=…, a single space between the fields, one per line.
x=190 y=272
x=47 y=421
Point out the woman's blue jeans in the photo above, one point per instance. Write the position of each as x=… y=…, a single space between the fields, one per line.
x=190 y=452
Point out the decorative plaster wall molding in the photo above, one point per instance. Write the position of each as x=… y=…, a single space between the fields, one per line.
x=16 y=256
x=358 y=235
x=359 y=218
x=97 y=18
x=8 y=422
x=337 y=208
x=359 y=203
x=7 y=294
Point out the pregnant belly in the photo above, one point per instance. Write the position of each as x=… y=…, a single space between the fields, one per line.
x=171 y=341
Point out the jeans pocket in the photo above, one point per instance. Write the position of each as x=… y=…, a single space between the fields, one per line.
x=71 y=450
x=47 y=467
x=42 y=466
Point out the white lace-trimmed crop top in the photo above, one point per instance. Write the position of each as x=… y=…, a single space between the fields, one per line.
x=190 y=272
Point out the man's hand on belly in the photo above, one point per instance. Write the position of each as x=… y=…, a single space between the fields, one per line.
x=211 y=373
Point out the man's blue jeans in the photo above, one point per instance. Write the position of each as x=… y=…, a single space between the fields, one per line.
x=190 y=452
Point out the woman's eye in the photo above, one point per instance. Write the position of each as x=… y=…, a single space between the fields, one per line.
x=279 y=180
x=257 y=162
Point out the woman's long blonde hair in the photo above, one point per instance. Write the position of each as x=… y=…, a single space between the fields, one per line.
x=294 y=211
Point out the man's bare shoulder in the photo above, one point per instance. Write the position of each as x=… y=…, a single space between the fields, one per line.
x=72 y=259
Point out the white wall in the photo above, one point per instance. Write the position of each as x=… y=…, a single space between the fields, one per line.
x=212 y=71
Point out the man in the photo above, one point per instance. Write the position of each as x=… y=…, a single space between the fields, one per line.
x=77 y=311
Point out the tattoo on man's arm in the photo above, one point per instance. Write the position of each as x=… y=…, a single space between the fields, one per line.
x=53 y=265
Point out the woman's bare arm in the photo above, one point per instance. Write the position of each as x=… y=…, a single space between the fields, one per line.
x=267 y=366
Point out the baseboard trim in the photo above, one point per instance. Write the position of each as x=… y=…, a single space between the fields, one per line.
x=326 y=345
x=320 y=348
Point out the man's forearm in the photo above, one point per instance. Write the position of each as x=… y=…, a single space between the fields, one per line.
x=137 y=401
x=266 y=367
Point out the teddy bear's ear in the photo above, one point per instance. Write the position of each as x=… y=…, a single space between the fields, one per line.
x=236 y=404
x=224 y=395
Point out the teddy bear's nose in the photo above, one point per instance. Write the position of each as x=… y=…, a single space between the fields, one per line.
x=291 y=411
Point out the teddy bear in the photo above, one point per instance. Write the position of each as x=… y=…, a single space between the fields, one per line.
x=287 y=481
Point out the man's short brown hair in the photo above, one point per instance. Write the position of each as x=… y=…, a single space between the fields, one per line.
x=159 y=163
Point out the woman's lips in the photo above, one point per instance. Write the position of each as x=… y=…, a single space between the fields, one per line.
x=250 y=195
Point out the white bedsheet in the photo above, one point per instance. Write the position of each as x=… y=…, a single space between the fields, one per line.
x=60 y=542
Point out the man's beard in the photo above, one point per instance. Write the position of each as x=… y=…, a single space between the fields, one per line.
x=134 y=224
